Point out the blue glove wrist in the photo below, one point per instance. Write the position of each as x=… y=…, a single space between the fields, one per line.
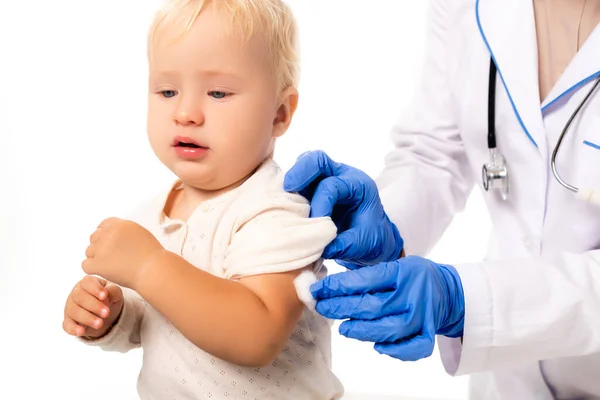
x=398 y=240
x=453 y=325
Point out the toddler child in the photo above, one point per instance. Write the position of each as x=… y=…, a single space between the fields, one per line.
x=202 y=277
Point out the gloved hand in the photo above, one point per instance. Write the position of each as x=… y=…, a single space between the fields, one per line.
x=366 y=236
x=399 y=305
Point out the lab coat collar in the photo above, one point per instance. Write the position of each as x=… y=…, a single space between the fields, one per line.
x=508 y=30
x=583 y=68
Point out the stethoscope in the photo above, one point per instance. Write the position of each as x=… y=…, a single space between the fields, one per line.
x=495 y=173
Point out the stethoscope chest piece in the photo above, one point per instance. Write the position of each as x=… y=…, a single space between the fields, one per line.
x=495 y=174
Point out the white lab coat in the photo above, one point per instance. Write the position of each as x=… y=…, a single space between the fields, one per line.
x=537 y=296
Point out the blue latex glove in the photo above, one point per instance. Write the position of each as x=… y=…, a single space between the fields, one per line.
x=399 y=305
x=366 y=236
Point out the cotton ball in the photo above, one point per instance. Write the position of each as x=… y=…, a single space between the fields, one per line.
x=303 y=282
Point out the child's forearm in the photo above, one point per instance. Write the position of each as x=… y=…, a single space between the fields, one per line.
x=223 y=317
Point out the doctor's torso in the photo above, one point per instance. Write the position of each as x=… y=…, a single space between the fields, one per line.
x=539 y=216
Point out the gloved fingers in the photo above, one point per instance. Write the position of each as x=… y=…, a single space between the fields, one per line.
x=408 y=269
x=308 y=167
x=329 y=192
x=387 y=329
x=346 y=246
x=364 y=307
x=378 y=278
x=413 y=349
x=360 y=246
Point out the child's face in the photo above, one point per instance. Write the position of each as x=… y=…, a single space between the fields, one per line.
x=214 y=90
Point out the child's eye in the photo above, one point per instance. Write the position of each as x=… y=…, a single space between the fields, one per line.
x=218 y=95
x=167 y=94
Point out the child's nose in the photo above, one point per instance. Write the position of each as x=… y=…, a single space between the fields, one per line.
x=187 y=117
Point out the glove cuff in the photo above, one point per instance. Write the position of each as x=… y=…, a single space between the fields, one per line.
x=453 y=325
x=398 y=250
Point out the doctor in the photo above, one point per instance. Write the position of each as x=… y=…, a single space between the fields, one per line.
x=509 y=85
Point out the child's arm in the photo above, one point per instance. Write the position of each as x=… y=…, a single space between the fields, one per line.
x=245 y=322
x=246 y=316
x=125 y=332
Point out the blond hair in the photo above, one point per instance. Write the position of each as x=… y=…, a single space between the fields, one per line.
x=272 y=19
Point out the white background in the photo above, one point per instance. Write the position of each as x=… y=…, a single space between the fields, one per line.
x=73 y=151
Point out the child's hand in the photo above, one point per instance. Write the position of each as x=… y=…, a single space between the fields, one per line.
x=119 y=250
x=92 y=307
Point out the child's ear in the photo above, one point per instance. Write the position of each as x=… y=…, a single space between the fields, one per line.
x=285 y=112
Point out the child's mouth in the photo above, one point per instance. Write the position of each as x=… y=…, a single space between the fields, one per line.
x=188 y=149
x=186 y=142
x=190 y=145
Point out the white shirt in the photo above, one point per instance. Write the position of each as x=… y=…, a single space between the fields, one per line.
x=254 y=229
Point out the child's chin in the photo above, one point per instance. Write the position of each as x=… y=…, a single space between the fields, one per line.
x=198 y=177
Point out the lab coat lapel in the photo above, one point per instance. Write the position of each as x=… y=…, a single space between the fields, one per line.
x=508 y=28
x=584 y=67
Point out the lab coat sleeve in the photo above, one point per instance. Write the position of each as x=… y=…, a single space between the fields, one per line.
x=426 y=178
x=523 y=311
x=125 y=333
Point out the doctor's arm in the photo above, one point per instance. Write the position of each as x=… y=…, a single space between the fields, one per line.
x=426 y=178
x=486 y=316
x=523 y=311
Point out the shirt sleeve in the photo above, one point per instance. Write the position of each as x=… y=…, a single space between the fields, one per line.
x=274 y=235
